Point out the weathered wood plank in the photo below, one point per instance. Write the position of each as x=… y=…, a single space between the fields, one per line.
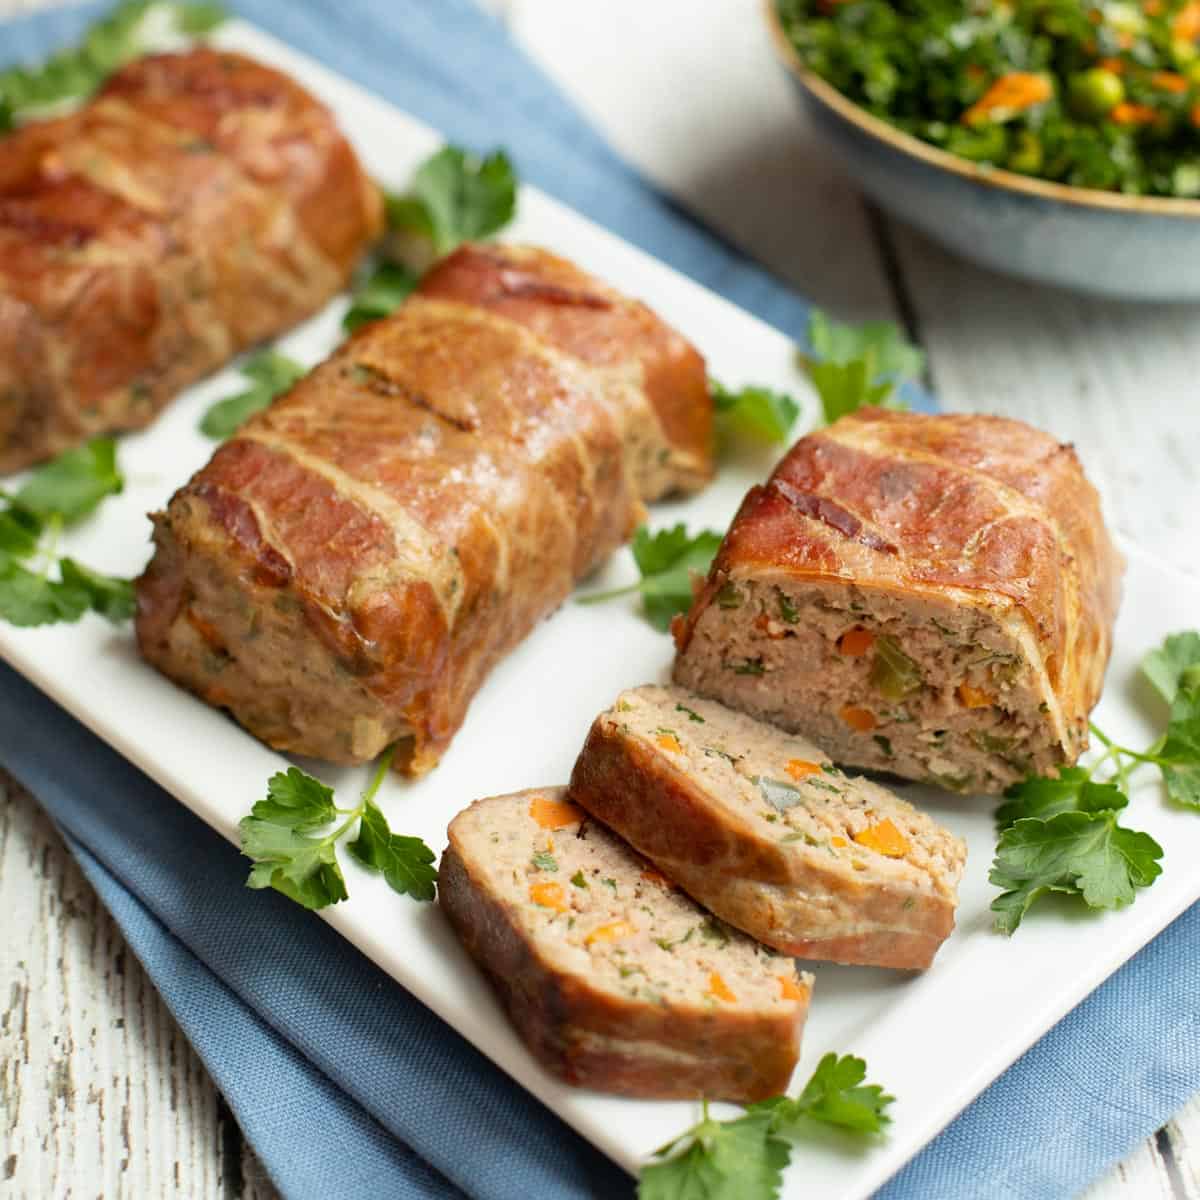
x=1121 y=381
x=1141 y=1176
x=1183 y=1133
x=100 y=1093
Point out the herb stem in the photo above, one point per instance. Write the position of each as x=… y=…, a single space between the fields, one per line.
x=598 y=597
x=353 y=814
x=49 y=548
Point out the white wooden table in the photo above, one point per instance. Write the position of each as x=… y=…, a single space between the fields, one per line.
x=99 y=1091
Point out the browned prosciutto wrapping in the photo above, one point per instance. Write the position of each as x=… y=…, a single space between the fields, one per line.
x=345 y=572
x=199 y=204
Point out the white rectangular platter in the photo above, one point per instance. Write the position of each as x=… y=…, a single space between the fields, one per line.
x=934 y=1040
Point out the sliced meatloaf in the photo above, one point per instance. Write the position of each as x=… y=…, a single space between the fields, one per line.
x=762 y=829
x=669 y=435
x=345 y=571
x=200 y=203
x=614 y=978
x=932 y=596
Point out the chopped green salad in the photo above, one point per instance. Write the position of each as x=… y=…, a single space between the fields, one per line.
x=1094 y=95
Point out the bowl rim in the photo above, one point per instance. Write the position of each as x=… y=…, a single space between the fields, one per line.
x=825 y=93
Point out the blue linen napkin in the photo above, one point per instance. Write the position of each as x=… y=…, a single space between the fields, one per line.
x=346 y=1085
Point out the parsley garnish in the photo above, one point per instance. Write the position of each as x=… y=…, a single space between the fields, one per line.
x=1063 y=834
x=853 y=367
x=456 y=197
x=667 y=561
x=58 y=494
x=381 y=292
x=282 y=835
x=692 y=715
x=744 y=1159
x=270 y=374
x=74 y=73
x=756 y=413
x=1174 y=670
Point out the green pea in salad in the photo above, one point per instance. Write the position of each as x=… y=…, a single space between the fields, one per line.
x=1093 y=95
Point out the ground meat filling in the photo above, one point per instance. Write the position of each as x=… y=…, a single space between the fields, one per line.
x=791 y=791
x=596 y=910
x=915 y=687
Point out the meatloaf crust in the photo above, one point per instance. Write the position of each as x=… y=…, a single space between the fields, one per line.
x=976 y=531
x=672 y=449
x=759 y=827
x=199 y=203
x=345 y=572
x=554 y=971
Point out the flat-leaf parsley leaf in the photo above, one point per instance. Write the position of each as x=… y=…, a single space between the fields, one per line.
x=283 y=836
x=667 y=561
x=269 y=374
x=457 y=196
x=853 y=367
x=758 y=413
x=744 y=1158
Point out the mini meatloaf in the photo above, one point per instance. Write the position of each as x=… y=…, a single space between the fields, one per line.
x=931 y=596
x=762 y=829
x=614 y=978
x=200 y=203
x=345 y=571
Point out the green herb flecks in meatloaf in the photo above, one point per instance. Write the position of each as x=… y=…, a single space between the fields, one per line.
x=931 y=596
x=612 y=976
x=760 y=827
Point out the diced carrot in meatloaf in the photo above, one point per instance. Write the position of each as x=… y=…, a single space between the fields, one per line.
x=816 y=863
x=931 y=596
x=614 y=978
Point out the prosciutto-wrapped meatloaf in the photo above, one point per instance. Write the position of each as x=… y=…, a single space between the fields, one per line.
x=347 y=569
x=614 y=978
x=198 y=204
x=931 y=596
x=762 y=829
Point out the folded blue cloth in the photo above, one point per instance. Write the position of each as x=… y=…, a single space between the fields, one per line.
x=346 y=1085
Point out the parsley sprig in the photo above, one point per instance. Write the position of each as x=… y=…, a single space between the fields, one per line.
x=756 y=414
x=59 y=494
x=667 y=561
x=1063 y=834
x=744 y=1158
x=383 y=288
x=857 y=366
x=292 y=836
x=456 y=197
x=269 y=374
x=76 y=72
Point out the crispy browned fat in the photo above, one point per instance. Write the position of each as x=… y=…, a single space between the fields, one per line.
x=346 y=570
x=198 y=204
x=931 y=596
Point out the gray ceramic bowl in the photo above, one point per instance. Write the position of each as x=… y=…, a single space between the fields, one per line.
x=1135 y=247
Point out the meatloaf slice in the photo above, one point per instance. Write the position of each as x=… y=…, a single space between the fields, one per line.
x=761 y=828
x=199 y=203
x=658 y=374
x=614 y=978
x=931 y=596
